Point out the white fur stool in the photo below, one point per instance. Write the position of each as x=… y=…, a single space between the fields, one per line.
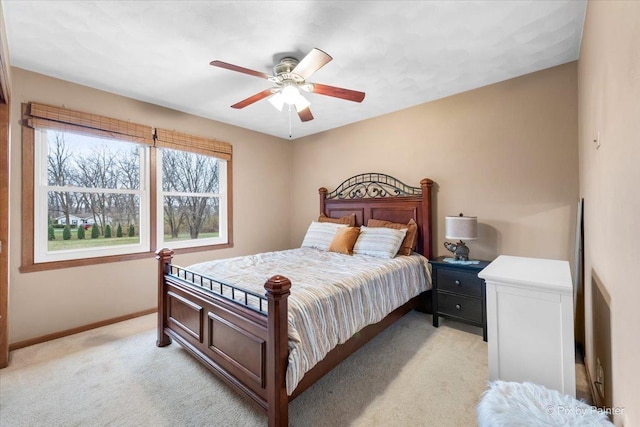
x=511 y=404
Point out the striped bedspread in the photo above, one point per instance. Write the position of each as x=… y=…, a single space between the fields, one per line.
x=333 y=296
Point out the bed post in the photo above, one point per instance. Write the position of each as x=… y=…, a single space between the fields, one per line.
x=323 y=195
x=277 y=350
x=164 y=257
x=426 y=185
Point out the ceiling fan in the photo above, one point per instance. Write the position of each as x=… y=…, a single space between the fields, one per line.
x=290 y=76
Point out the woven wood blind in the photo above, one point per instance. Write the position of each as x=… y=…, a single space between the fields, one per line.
x=50 y=117
x=196 y=144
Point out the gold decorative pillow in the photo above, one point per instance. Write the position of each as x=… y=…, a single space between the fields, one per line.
x=350 y=220
x=344 y=240
x=409 y=242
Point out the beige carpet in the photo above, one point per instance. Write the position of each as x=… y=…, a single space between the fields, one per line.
x=412 y=374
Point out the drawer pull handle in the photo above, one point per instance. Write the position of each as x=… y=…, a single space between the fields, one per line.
x=457 y=282
x=458 y=306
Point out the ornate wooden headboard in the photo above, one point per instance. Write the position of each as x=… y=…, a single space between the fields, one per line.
x=380 y=196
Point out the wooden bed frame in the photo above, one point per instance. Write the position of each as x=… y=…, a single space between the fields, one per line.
x=247 y=347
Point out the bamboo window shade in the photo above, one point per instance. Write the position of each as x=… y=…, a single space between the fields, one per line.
x=196 y=144
x=62 y=119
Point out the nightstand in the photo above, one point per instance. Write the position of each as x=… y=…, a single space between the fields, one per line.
x=458 y=293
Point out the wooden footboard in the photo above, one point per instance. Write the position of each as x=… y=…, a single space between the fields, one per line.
x=245 y=345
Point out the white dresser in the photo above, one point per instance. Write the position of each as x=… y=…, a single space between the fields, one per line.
x=530 y=322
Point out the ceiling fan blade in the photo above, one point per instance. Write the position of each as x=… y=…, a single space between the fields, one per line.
x=305 y=115
x=254 y=98
x=338 y=92
x=239 y=69
x=311 y=63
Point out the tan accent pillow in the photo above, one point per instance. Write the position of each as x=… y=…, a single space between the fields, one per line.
x=350 y=220
x=344 y=240
x=409 y=242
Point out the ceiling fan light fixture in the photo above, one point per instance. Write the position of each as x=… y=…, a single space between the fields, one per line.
x=277 y=100
x=301 y=103
x=290 y=94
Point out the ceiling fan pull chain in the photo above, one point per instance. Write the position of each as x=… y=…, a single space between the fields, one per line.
x=289 y=120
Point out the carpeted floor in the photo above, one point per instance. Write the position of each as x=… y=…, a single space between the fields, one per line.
x=412 y=374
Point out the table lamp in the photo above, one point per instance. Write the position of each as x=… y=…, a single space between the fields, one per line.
x=460 y=228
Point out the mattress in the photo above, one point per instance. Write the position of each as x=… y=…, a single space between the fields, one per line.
x=333 y=296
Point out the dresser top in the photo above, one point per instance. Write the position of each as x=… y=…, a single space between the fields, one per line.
x=549 y=274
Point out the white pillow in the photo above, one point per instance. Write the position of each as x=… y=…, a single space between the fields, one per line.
x=320 y=235
x=379 y=242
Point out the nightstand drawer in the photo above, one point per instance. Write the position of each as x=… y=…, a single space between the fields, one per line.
x=459 y=306
x=459 y=282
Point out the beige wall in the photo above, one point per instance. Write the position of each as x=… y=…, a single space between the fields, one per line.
x=56 y=300
x=609 y=103
x=506 y=153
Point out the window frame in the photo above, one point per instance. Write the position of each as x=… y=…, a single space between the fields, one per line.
x=222 y=194
x=182 y=142
x=42 y=188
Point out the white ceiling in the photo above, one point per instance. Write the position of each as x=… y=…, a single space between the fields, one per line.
x=400 y=53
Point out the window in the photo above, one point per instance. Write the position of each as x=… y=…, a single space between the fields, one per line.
x=91 y=195
x=98 y=190
x=192 y=197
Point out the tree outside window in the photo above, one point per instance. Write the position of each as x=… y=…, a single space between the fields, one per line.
x=90 y=181
x=192 y=198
